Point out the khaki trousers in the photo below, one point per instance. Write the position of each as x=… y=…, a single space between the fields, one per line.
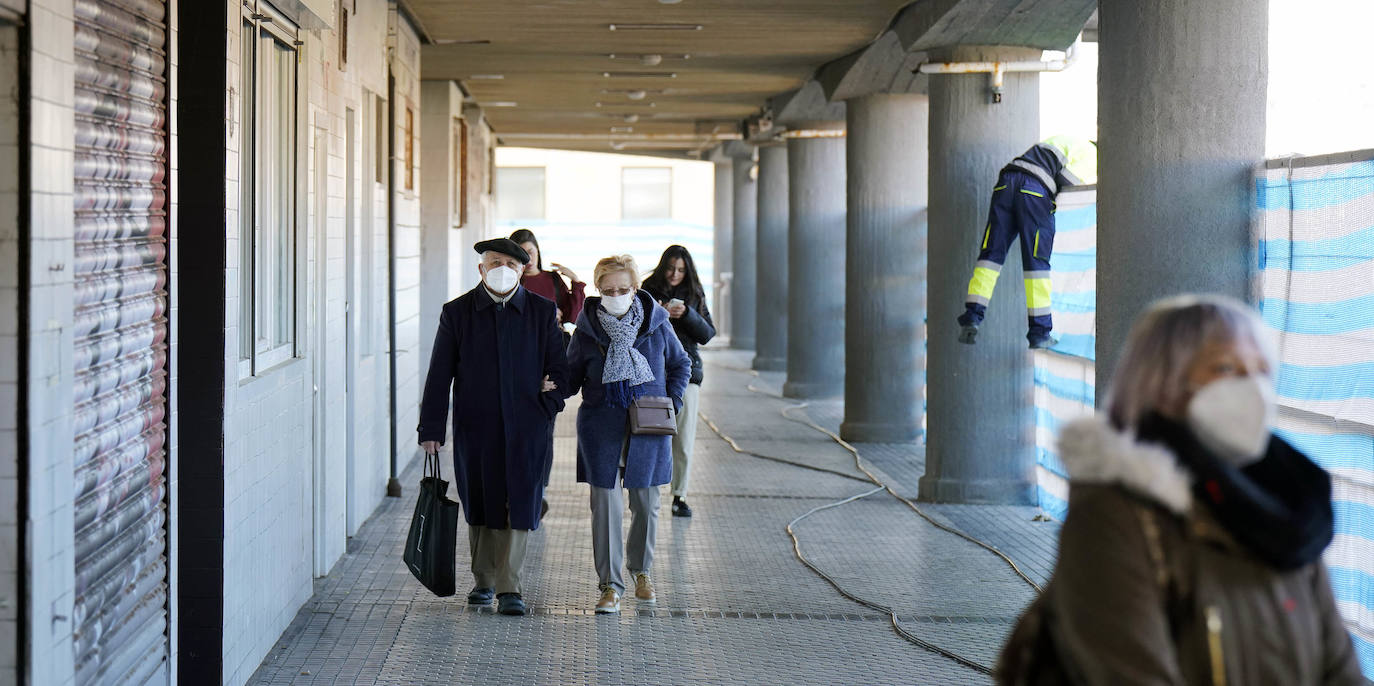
x=685 y=439
x=497 y=556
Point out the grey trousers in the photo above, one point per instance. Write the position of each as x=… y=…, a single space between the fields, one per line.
x=497 y=556
x=608 y=512
x=685 y=439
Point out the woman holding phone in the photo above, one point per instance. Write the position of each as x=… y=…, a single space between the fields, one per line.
x=676 y=286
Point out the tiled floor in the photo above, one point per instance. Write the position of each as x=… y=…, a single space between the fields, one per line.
x=735 y=606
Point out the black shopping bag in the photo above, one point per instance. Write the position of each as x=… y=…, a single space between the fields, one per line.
x=433 y=535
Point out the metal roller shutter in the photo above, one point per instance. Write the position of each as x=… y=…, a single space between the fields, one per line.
x=120 y=391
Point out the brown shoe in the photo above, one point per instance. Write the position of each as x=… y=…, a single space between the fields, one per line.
x=609 y=603
x=644 y=588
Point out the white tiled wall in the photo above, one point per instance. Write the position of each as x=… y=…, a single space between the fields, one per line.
x=288 y=499
x=409 y=366
x=9 y=348
x=50 y=487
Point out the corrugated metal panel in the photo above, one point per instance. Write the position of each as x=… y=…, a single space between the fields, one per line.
x=120 y=326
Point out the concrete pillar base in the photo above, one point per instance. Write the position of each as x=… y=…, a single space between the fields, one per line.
x=770 y=364
x=811 y=391
x=977 y=492
x=870 y=432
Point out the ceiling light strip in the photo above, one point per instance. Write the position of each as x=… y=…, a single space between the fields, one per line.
x=654 y=27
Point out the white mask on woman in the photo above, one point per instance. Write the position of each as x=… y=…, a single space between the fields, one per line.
x=617 y=304
x=501 y=279
x=1231 y=417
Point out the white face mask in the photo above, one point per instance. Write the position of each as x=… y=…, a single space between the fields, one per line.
x=1232 y=416
x=501 y=279
x=617 y=304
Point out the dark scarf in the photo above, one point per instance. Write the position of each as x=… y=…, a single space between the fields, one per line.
x=1278 y=508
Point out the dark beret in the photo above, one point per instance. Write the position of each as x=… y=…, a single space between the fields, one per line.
x=505 y=246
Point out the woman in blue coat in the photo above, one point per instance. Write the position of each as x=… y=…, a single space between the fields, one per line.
x=624 y=348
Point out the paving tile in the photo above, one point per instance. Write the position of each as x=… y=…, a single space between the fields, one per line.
x=735 y=605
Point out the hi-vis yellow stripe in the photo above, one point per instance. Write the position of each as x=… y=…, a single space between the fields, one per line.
x=1037 y=293
x=998 y=188
x=987 y=233
x=1038 y=195
x=983 y=281
x=1035 y=252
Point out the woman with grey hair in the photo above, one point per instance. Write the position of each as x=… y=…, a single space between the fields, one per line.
x=1191 y=553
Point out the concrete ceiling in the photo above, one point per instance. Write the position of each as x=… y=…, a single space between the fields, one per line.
x=553 y=57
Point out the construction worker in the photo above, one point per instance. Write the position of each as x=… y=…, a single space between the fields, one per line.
x=1023 y=205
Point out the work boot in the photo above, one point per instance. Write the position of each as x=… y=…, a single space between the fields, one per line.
x=481 y=596
x=610 y=601
x=1044 y=342
x=680 y=508
x=968 y=333
x=644 y=588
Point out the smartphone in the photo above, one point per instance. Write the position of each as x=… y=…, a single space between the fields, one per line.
x=674 y=302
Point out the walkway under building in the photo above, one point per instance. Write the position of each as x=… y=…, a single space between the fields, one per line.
x=734 y=603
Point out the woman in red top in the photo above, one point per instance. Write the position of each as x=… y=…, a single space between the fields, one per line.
x=550 y=284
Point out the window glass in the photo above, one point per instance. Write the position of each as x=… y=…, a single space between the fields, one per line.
x=519 y=194
x=646 y=193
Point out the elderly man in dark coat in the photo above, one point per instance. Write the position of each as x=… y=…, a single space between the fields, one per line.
x=500 y=349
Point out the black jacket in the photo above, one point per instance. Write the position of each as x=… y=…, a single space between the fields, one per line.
x=693 y=328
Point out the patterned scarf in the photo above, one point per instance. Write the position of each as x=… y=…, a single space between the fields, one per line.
x=626 y=371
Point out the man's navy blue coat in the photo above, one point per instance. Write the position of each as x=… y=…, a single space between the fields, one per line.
x=495 y=357
x=601 y=429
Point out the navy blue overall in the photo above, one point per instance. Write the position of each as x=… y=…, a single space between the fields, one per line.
x=1021 y=207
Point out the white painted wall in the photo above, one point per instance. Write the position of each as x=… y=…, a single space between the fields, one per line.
x=49 y=337
x=583 y=207
x=409 y=365
x=289 y=500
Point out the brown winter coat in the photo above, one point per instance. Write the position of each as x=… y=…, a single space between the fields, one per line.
x=1212 y=615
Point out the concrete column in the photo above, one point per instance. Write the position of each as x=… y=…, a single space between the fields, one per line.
x=815 y=257
x=1181 y=111
x=771 y=330
x=743 y=288
x=721 y=259
x=885 y=263
x=981 y=442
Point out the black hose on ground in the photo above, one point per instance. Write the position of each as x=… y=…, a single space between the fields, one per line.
x=879 y=485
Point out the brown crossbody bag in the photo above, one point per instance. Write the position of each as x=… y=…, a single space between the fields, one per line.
x=650 y=415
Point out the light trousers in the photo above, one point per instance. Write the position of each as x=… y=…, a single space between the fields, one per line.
x=609 y=547
x=497 y=556
x=685 y=439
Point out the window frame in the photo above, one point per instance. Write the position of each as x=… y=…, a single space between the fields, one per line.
x=668 y=215
x=270 y=253
x=459 y=205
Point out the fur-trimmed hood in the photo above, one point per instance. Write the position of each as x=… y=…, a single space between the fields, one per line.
x=1095 y=453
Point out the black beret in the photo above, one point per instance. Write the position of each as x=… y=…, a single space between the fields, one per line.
x=505 y=246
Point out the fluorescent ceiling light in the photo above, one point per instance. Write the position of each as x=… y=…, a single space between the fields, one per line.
x=639 y=74
x=486 y=77
x=654 y=27
x=500 y=103
x=649 y=59
x=461 y=41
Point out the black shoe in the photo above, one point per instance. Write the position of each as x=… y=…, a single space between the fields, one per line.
x=481 y=596
x=968 y=334
x=680 y=508
x=543 y=508
x=510 y=604
x=1043 y=342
